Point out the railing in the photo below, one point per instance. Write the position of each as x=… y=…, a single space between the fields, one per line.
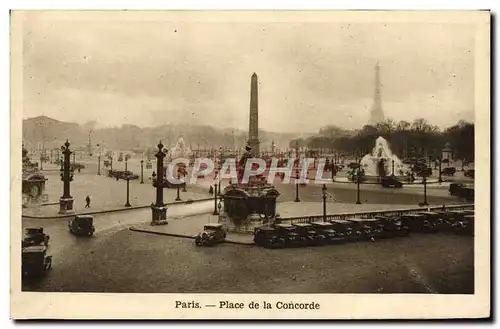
x=371 y=214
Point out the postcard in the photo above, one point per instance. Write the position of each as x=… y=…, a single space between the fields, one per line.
x=250 y=164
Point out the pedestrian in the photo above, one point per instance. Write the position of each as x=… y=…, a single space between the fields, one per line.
x=211 y=190
x=87 y=202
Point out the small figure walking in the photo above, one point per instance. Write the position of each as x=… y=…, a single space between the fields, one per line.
x=87 y=202
x=211 y=190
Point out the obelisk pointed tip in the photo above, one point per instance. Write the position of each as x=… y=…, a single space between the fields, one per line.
x=254 y=74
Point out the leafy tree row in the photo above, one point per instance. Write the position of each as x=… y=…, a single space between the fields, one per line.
x=416 y=139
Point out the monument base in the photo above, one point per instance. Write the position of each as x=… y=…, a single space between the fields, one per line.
x=159 y=215
x=66 y=206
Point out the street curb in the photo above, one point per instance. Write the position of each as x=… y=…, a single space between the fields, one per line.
x=115 y=210
x=183 y=236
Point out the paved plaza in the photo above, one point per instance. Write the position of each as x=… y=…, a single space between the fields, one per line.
x=118 y=257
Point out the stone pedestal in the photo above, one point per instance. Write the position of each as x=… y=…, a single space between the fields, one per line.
x=66 y=206
x=159 y=215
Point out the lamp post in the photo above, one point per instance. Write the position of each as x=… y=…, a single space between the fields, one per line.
x=74 y=159
x=142 y=171
x=158 y=209
x=111 y=162
x=324 y=202
x=216 y=210
x=424 y=179
x=393 y=167
x=440 y=179
x=99 y=164
x=358 y=200
x=178 y=198
x=127 y=178
x=297 y=185
x=126 y=163
x=66 y=200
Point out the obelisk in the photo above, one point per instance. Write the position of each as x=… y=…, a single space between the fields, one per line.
x=377 y=114
x=253 y=131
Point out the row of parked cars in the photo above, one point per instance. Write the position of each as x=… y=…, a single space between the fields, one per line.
x=36 y=259
x=355 y=229
x=281 y=235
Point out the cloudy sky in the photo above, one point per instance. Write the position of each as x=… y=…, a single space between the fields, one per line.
x=122 y=69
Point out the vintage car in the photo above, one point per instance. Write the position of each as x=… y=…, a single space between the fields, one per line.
x=81 y=225
x=466 y=192
x=353 y=165
x=469 y=173
x=370 y=228
x=393 y=226
x=288 y=233
x=308 y=234
x=347 y=230
x=34 y=236
x=417 y=223
x=76 y=166
x=327 y=230
x=453 y=217
x=390 y=181
x=149 y=165
x=35 y=261
x=448 y=171
x=212 y=234
x=454 y=187
x=436 y=220
x=267 y=236
x=465 y=225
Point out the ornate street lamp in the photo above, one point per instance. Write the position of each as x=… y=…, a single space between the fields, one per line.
x=216 y=210
x=358 y=201
x=440 y=179
x=324 y=202
x=178 y=198
x=142 y=171
x=297 y=185
x=159 y=209
x=66 y=200
x=99 y=161
x=424 y=179
x=127 y=178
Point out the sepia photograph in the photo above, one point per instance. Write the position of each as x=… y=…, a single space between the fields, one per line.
x=250 y=164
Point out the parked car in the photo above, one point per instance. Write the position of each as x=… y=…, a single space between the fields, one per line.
x=469 y=173
x=81 y=225
x=417 y=223
x=327 y=230
x=35 y=261
x=370 y=228
x=454 y=187
x=347 y=230
x=465 y=225
x=436 y=221
x=466 y=192
x=393 y=226
x=288 y=233
x=267 y=236
x=212 y=234
x=76 y=166
x=34 y=236
x=308 y=234
x=391 y=181
x=449 y=171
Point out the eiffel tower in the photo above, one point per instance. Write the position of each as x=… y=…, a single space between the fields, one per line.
x=377 y=114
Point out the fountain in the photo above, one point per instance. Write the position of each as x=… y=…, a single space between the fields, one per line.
x=379 y=163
